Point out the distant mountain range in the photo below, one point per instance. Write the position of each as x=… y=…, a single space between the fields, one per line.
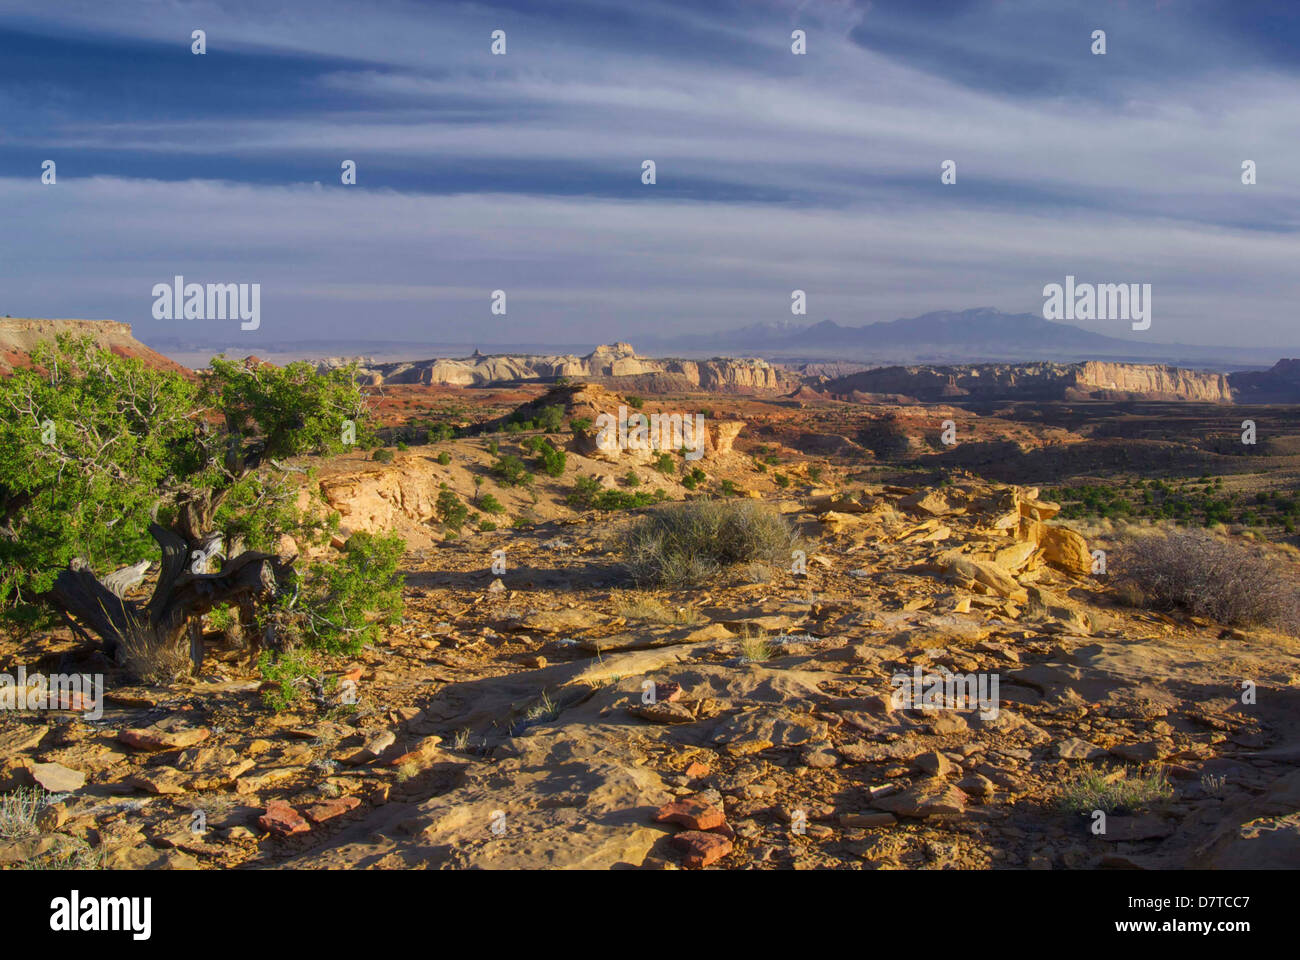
x=982 y=334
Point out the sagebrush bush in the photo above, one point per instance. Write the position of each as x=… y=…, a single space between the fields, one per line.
x=1192 y=571
x=685 y=544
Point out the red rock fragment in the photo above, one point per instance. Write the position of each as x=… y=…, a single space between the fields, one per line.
x=282 y=819
x=329 y=809
x=702 y=849
x=691 y=813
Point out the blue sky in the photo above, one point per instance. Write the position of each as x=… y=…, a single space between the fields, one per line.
x=775 y=172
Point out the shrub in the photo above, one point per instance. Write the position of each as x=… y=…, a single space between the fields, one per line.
x=664 y=464
x=693 y=479
x=490 y=504
x=1198 y=573
x=339 y=607
x=550 y=459
x=487 y=526
x=630 y=479
x=685 y=544
x=588 y=494
x=511 y=471
x=444 y=458
x=580 y=424
x=636 y=403
x=551 y=418
x=383 y=455
x=450 y=510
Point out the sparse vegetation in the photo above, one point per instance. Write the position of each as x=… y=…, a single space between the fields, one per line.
x=450 y=510
x=688 y=543
x=18 y=810
x=510 y=471
x=1114 y=791
x=639 y=607
x=1207 y=576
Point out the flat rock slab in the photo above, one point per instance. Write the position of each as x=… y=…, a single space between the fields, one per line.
x=562 y=621
x=551 y=799
x=56 y=778
x=20 y=739
x=155 y=739
x=925 y=799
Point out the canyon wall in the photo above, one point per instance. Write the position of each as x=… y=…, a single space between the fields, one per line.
x=604 y=363
x=19 y=336
x=1038 y=381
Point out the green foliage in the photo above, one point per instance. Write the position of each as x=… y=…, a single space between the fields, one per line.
x=490 y=504
x=588 y=494
x=383 y=455
x=580 y=424
x=288 y=671
x=510 y=471
x=664 y=464
x=444 y=458
x=551 y=460
x=486 y=525
x=340 y=607
x=728 y=489
x=636 y=403
x=117 y=434
x=126 y=443
x=450 y=510
x=630 y=479
x=694 y=478
x=551 y=418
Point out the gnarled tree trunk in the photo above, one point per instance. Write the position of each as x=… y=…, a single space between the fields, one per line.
x=179 y=597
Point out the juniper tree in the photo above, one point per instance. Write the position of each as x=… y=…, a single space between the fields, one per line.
x=108 y=465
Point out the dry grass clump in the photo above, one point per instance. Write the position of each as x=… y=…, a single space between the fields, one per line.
x=687 y=544
x=639 y=607
x=154 y=663
x=1229 y=582
x=1116 y=791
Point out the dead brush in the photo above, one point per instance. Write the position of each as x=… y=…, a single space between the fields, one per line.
x=1226 y=581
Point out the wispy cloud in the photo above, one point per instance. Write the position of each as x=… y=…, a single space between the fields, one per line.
x=523 y=172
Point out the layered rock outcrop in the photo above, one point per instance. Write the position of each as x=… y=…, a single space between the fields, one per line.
x=617 y=360
x=19 y=336
x=1038 y=381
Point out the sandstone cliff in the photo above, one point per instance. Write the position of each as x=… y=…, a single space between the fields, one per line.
x=606 y=362
x=18 y=337
x=1278 y=384
x=1038 y=381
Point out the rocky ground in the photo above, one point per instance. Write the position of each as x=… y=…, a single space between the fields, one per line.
x=508 y=720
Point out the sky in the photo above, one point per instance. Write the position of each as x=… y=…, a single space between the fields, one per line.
x=522 y=172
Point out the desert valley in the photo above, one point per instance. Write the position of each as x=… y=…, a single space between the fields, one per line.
x=611 y=655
